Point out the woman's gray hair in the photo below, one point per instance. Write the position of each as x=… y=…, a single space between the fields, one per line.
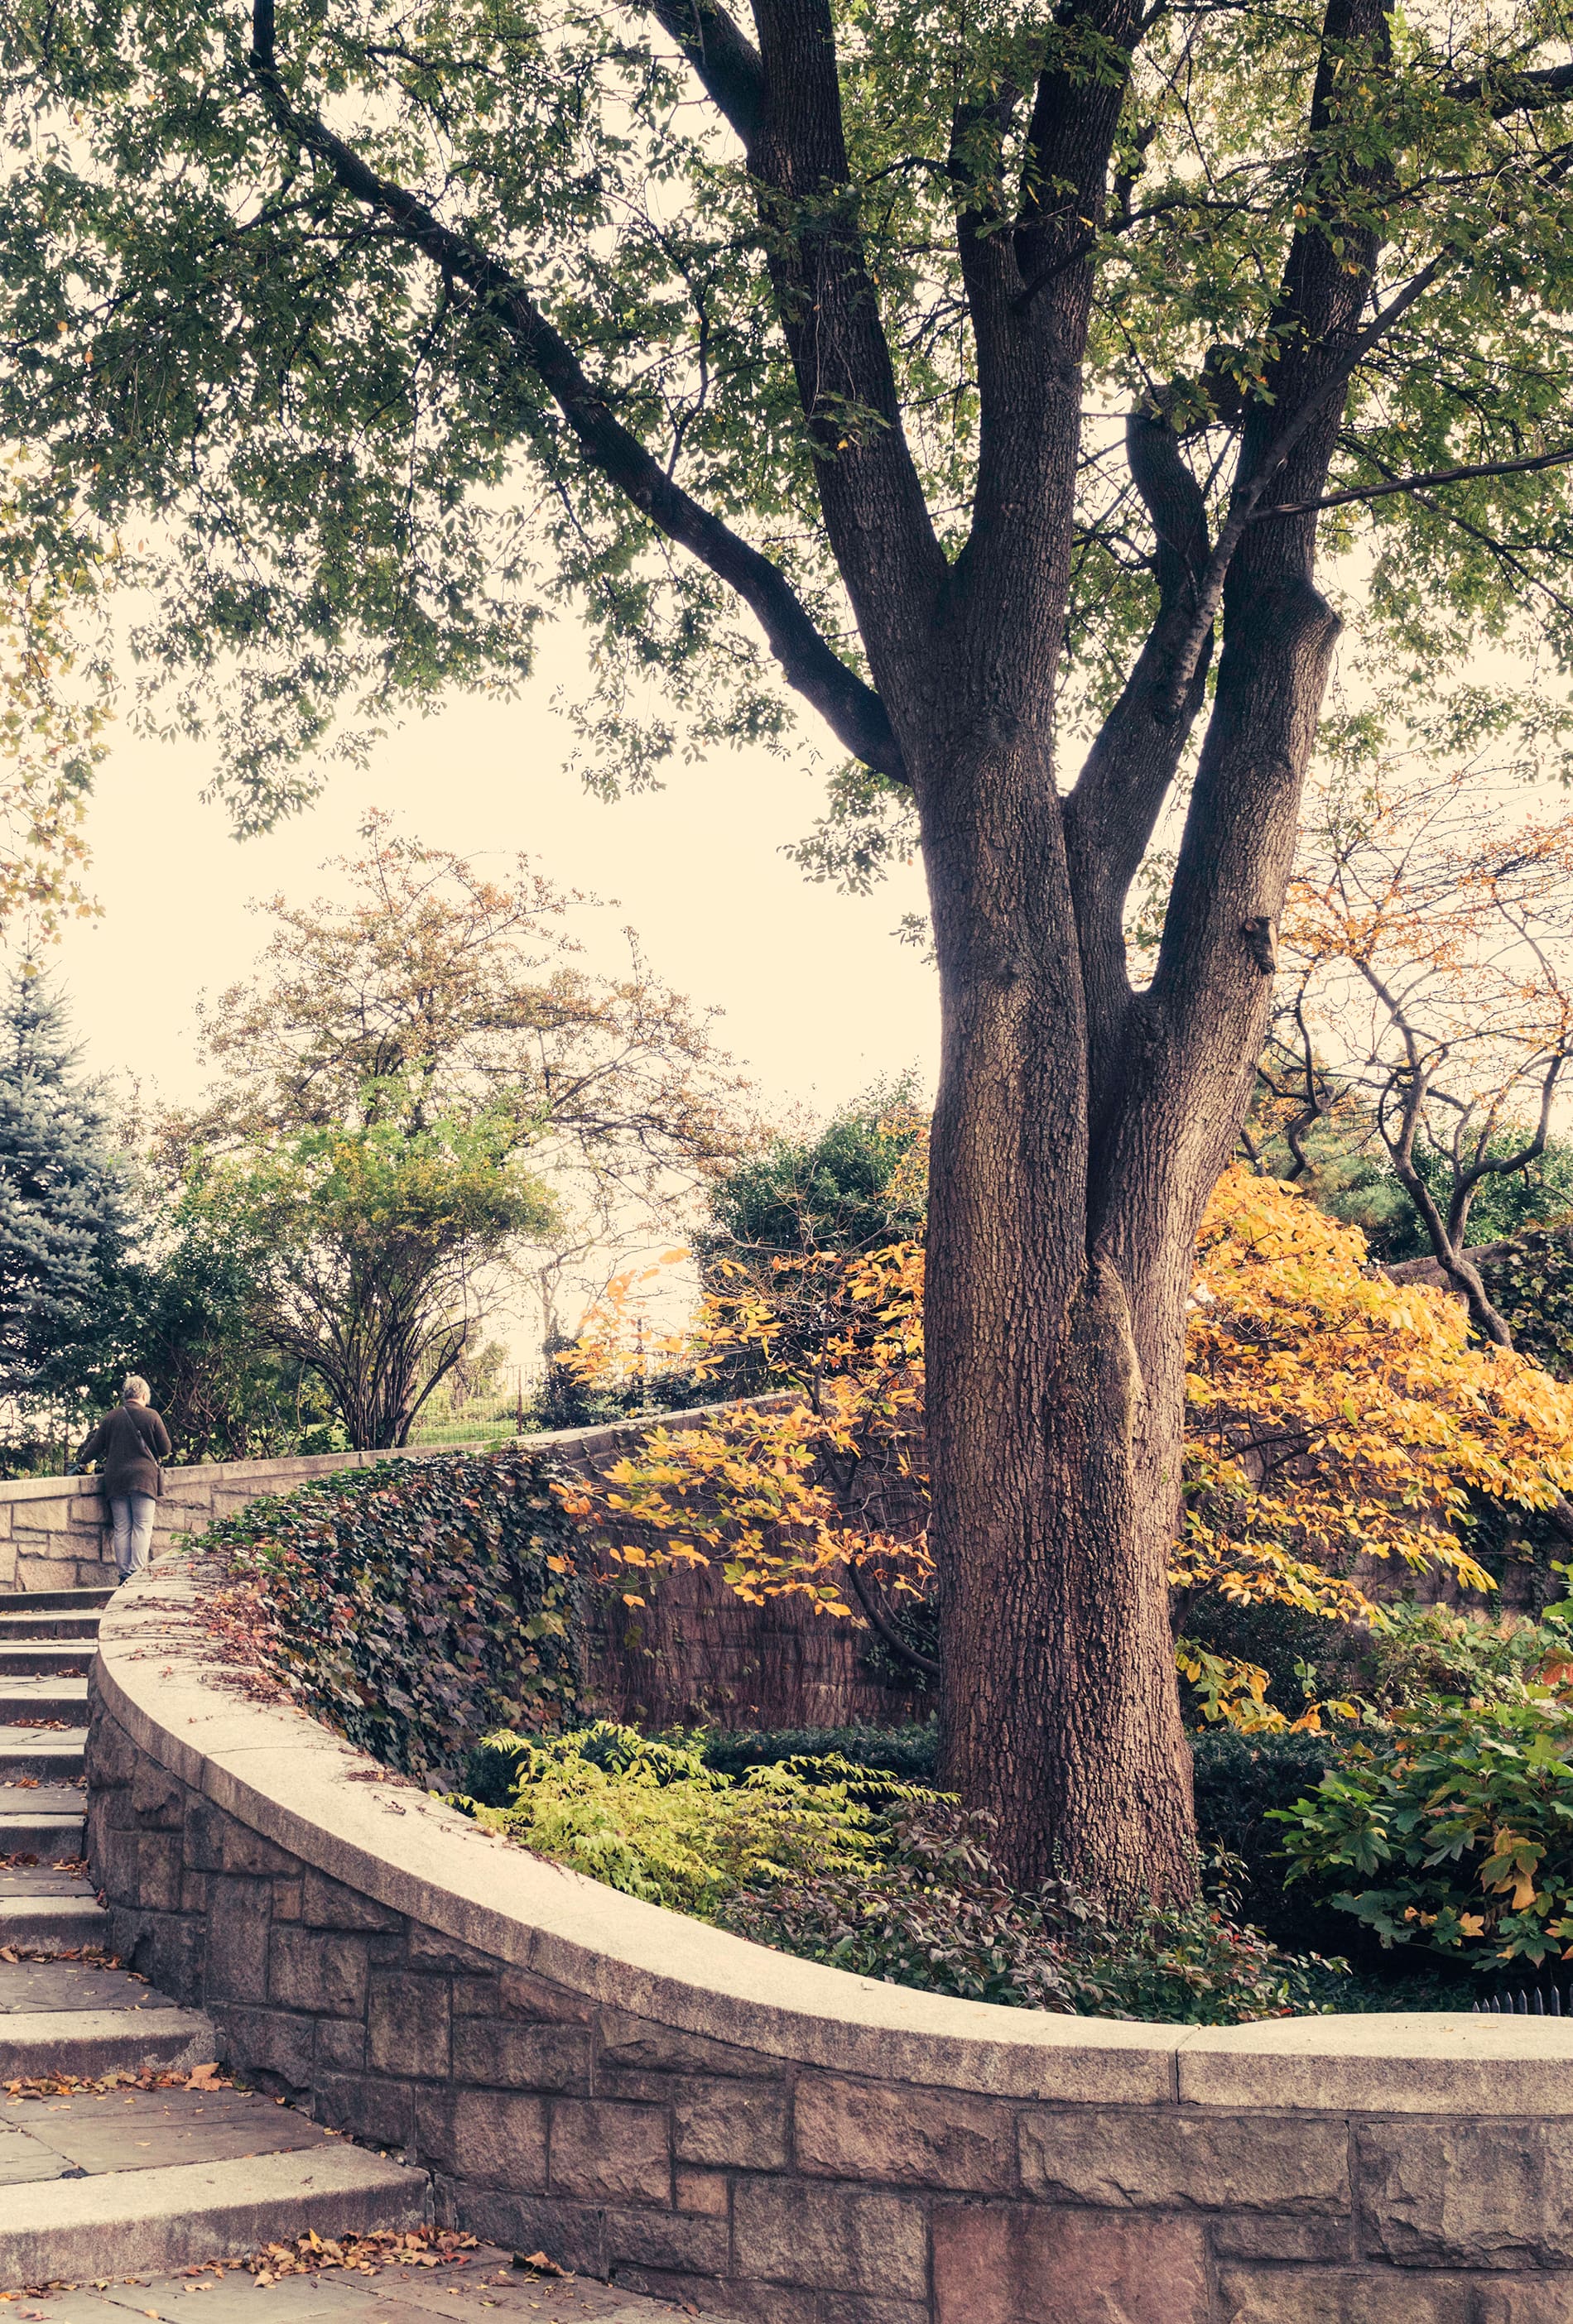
x=135 y=1390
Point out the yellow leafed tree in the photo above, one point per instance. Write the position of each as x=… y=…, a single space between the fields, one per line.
x=1334 y=1418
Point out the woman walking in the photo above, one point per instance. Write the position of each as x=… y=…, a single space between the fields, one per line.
x=129 y=1447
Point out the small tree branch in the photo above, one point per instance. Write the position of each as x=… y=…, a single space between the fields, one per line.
x=879 y=1621
x=1248 y=489
x=1417 y=484
x=1516 y=92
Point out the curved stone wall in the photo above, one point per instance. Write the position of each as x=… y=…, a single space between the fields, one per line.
x=772 y=2140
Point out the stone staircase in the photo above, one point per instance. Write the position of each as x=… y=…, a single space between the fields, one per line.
x=103 y=2184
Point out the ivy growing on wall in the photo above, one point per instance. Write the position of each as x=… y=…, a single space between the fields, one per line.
x=412 y=1606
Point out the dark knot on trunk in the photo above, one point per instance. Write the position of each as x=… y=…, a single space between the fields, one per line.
x=1260 y=942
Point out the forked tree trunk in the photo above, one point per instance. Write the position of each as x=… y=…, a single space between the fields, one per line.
x=1080 y=1126
x=1072 y=1158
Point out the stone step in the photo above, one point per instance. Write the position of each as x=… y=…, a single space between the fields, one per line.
x=22 y=1629
x=41 y=1835
x=46 y=1988
x=88 y=2042
x=45 y=1658
x=26 y=1701
x=45 y=1924
x=49 y=1756
x=135 y=2222
x=26 y=1795
x=55 y=1601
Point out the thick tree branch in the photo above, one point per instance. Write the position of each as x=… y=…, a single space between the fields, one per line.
x=1253 y=480
x=875 y=513
x=1516 y=92
x=724 y=60
x=1111 y=814
x=852 y=709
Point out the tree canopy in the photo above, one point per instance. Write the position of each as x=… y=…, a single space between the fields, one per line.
x=433 y=985
x=386 y=330
x=372 y=1252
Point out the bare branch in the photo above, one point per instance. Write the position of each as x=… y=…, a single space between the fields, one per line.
x=1418 y=484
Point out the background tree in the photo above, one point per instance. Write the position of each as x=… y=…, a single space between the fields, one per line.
x=372 y=1251
x=979 y=372
x=856 y=1185
x=429 y=987
x=1428 y=1001
x=429 y=1016
x=191 y=1325
x=65 y=1220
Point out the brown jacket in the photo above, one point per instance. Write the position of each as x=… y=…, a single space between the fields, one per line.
x=128 y=1445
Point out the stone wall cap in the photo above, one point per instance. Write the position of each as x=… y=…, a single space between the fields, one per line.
x=183 y=1481
x=298 y=1785
x=1410 y=2062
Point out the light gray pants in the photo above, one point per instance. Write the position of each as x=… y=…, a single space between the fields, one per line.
x=131 y=1515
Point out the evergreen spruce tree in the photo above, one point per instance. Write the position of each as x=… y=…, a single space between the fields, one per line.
x=64 y=1216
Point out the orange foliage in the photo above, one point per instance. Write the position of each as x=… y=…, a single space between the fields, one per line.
x=1332 y=1416
x=786 y=1492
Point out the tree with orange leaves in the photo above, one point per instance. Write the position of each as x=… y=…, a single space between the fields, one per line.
x=1334 y=1418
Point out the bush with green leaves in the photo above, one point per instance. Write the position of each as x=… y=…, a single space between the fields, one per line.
x=912 y=1751
x=1424 y=1652
x=859 y=1869
x=1449 y=1827
x=933 y=1911
x=651 y=1818
x=413 y=1605
x=1530 y=1280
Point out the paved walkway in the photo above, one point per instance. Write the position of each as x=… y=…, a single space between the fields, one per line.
x=130 y=2169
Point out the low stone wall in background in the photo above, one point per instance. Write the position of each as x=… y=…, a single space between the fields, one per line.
x=55 y=1532
x=651 y=2100
x=693 y=1654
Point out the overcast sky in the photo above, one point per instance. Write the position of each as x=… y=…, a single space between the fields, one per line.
x=819 y=996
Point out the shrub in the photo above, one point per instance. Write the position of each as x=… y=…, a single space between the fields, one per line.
x=840 y=1864
x=1450 y=1827
x=932 y=1910
x=412 y=1605
x=909 y=1751
x=651 y=1819
x=1530 y=1280
x=1239 y=1779
x=1429 y=1651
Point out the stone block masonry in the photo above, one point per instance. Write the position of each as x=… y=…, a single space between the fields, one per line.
x=658 y=2103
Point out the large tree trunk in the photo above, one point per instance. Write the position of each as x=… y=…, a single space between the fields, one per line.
x=1073 y=1153
x=1059 y=1702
